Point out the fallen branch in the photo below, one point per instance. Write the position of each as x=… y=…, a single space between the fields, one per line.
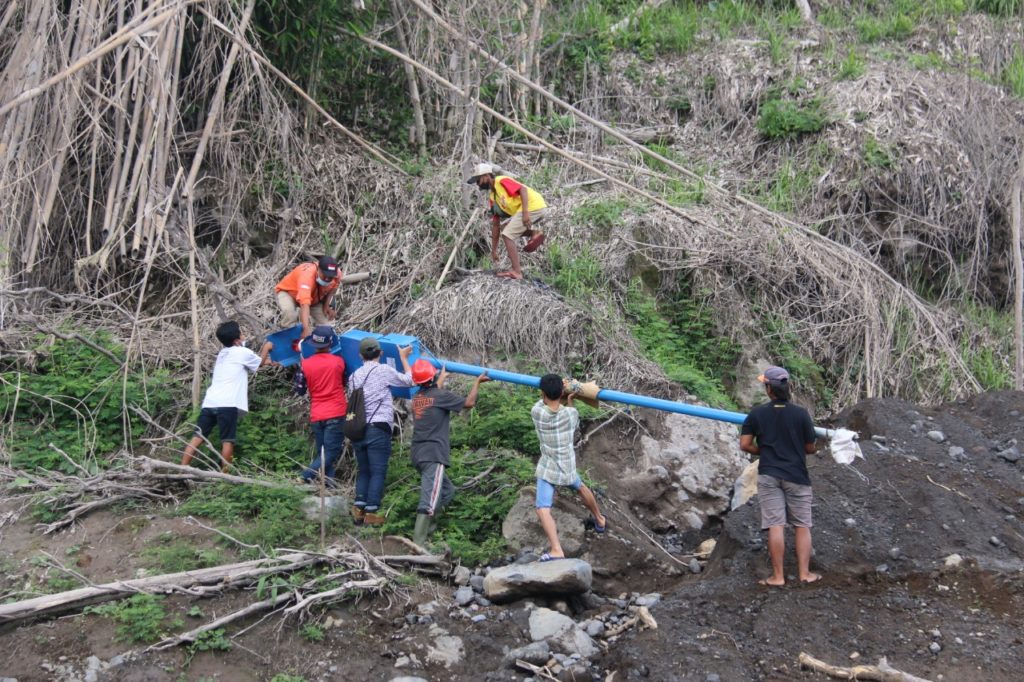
x=151 y=466
x=946 y=487
x=883 y=672
x=226 y=575
x=193 y=635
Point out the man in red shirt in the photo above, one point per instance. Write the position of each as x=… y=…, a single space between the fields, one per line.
x=306 y=292
x=325 y=374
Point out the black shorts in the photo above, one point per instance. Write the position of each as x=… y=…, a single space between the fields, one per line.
x=225 y=418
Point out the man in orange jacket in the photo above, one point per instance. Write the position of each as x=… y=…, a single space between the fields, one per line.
x=306 y=292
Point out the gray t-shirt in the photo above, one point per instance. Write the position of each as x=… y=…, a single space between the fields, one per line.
x=431 y=413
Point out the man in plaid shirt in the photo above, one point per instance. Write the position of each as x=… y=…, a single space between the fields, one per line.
x=556 y=426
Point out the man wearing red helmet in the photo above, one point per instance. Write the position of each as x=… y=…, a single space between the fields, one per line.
x=431 y=412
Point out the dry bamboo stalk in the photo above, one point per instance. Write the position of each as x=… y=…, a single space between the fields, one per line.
x=455 y=248
x=11 y=8
x=413 y=85
x=216 y=104
x=106 y=47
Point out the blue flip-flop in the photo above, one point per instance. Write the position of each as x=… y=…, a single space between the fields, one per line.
x=598 y=528
x=547 y=557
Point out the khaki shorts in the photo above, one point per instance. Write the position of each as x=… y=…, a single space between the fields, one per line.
x=784 y=501
x=514 y=228
x=290 y=311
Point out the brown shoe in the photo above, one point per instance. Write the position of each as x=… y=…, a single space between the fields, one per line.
x=374 y=519
x=357 y=515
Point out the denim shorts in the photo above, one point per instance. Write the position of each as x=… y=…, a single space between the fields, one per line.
x=546 y=491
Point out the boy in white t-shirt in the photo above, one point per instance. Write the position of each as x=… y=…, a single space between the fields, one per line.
x=227 y=398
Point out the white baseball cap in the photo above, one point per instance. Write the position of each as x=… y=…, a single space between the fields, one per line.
x=478 y=170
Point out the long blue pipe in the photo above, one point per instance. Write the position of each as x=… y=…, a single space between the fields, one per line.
x=608 y=395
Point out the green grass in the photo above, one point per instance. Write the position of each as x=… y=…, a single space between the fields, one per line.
x=170 y=555
x=256 y=515
x=1013 y=74
x=851 y=68
x=601 y=214
x=575 y=277
x=991 y=363
x=877 y=155
x=928 y=62
x=140 y=618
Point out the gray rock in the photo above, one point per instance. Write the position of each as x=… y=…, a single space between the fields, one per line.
x=712 y=677
x=447 y=650
x=935 y=647
x=595 y=628
x=537 y=653
x=464 y=595
x=648 y=600
x=552 y=578
x=477 y=583
x=937 y=436
x=850 y=522
x=1011 y=455
x=953 y=561
x=427 y=609
x=406 y=678
x=695 y=566
x=8 y=679
x=882 y=568
x=894 y=553
x=995 y=542
x=957 y=453
x=334 y=506
x=546 y=625
x=482 y=600
x=879 y=439
x=478 y=618
x=522 y=530
x=410 y=618
x=936 y=633
x=462 y=576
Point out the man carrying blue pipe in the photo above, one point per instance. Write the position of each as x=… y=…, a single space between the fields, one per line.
x=431 y=446
x=785 y=436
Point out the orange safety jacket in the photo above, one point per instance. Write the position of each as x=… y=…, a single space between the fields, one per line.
x=301 y=284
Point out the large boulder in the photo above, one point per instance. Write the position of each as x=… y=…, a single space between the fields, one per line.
x=688 y=474
x=560 y=577
x=522 y=529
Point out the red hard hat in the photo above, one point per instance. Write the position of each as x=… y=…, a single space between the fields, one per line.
x=422 y=371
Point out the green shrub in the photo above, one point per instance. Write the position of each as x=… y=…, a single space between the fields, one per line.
x=209 y=640
x=140 y=618
x=851 y=68
x=781 y=118
x=311 y=633
x=669 y=29
x=876 y=154
x=471 y=525
x=783 y=346
x=76 y=397
x=681 y=337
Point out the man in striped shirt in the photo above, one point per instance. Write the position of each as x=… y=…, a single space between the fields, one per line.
x=556 y=426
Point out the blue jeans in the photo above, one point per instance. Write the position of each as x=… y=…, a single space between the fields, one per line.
x=330 y=441
x=372 y=455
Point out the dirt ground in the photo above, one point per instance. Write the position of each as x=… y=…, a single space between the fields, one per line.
x=883 y=531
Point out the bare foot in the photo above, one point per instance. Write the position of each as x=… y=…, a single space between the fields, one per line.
x=772 y=582
x=810 y=578
x=510 y=275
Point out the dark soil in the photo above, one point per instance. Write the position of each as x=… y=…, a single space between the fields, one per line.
x=883 y=530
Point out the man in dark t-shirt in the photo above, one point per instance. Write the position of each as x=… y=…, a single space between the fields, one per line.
x=431 y=413
x=785 y=435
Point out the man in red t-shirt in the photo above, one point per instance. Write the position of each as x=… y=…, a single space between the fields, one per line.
x=325 y=381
